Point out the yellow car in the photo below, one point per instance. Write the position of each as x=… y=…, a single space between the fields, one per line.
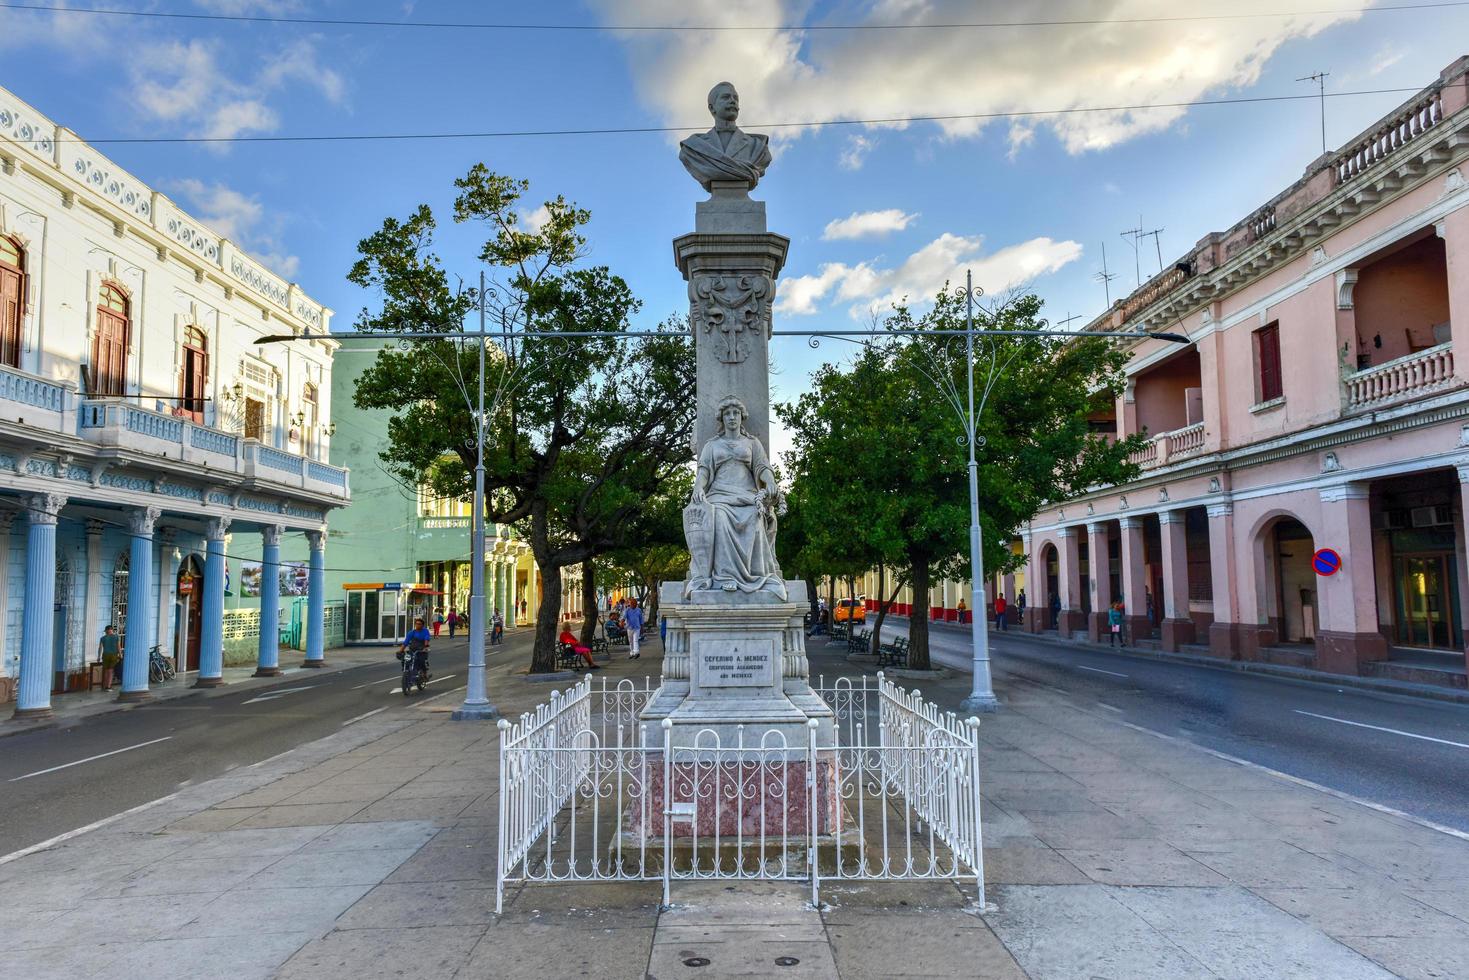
x=850 y=609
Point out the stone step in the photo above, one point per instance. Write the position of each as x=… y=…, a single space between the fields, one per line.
x=1419 y=672
x=1288 y=656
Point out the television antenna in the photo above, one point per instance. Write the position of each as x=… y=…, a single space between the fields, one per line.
x=1105 y=278
x=1319 y=78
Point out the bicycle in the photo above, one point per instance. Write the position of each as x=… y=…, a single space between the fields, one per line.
x=160 y=668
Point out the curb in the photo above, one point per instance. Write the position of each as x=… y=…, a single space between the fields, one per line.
x=1301 y=674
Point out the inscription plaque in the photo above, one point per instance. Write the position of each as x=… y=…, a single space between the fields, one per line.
x=735 y=663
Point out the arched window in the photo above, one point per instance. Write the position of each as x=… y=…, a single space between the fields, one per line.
x=12 y=300
x=194 y=374
x=110 y=342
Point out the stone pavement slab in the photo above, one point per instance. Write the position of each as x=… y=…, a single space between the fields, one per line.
x=1109 y=853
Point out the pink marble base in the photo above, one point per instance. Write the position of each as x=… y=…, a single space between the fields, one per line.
x=738 y=797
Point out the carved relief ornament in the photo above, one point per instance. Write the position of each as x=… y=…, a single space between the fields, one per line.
x=728 y=309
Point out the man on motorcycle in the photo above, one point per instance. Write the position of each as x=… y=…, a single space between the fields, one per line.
x=416 y=643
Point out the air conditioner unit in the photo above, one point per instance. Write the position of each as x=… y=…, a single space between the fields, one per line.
x=1393 y=520
x=1432 y=516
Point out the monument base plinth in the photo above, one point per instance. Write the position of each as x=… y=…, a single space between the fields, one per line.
x=747 y=798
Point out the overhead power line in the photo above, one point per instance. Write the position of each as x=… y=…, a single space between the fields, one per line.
x=630 y=130
x=718 y=28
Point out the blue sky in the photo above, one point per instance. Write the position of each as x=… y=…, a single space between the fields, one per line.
x=1028 y=198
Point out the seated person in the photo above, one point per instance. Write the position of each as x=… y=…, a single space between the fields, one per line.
x=584 y=652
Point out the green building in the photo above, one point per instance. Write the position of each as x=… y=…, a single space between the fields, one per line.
x=395 y=553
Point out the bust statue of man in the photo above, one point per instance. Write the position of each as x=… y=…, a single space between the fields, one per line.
x=726 y=152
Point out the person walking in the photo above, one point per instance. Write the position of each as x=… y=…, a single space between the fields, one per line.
x=632 y=620
x=963 y=608
x=453 y=621
x=109 y=649
x=1020 y=609
x=1001 y=608
x=497 y=629
x=438 y=620
x=1114 y=625
x=1055 y=611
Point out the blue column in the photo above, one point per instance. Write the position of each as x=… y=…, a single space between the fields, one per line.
x=137 y=635
x=268 y=663
x=33 y=698
x=316 y=601
x=211 y=632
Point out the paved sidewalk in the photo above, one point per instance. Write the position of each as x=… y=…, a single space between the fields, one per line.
x=1112 y=853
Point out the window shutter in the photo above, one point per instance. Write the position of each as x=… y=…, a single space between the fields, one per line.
x=1268 y=349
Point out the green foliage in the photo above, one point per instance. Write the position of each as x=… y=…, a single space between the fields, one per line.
x=580 y=430
x=880 y=463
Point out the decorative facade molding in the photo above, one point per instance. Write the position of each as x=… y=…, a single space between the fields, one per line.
x=1346 y=281
x=1224 y=508
x=728 y=309
x=270 y=534
x=316 y=539
x=215 y=528
x=43 y=508
x=141 y=521
x=1345 y=491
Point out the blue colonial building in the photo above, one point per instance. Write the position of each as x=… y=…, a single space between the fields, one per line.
x=144 y=430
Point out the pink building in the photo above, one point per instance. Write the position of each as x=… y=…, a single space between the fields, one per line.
x=1318 y=406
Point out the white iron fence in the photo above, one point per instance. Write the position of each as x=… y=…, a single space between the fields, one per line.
x=588 y=794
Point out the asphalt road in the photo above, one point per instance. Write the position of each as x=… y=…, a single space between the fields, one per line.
x=171 y=743
x=1410 y=754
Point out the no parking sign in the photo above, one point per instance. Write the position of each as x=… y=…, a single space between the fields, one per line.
x=1326 y=562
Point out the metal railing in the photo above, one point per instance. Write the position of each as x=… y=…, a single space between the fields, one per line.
x=589 y=793
x=1400 y=378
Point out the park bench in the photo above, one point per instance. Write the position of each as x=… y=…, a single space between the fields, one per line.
x=894 y=654
x=599 y=646
x=859 y=642
x=567 y=658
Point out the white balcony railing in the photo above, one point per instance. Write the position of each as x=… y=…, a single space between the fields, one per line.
x=1170 y=447
x=1400 y=379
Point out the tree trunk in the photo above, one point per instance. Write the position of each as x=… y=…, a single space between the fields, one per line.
x=918 y=622
x=875 y=643
x=884 y=603
x=588 y=603
x=548 y=622
x=543 y=654
x=831 y=602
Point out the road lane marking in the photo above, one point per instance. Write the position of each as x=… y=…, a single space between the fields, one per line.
x=365 y=714
x=446 y=677
x=1098 y=670
x=94 y=758
x=280 y=693
x=1308 y=784
x=95 y=825
x=1379 y=728
x=386 y=680
x=1109 y=707
x=456 y=690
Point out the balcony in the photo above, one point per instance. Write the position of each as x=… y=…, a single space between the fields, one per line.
x=35 y=402
x=114 y=424
x=1171 y=447
x=1400 y=379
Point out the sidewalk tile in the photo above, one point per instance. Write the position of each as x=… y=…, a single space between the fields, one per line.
x=933 y=943
x=1273 y=864
x=1415 y=959
x=1366 y=911
x=750 y=958
x=330 y=868
x=402 y=951
x=284 y=815
x=374 y=836
x=1018 y=863
x=441 y=808
x=66 y=962
x=207 y=876
x=442 y=903
x=1066 y=932
x=508 y=953
x=249 y=842
x=465 y=861
x=249 y=912
x=1241 y=936
x=1129 y=861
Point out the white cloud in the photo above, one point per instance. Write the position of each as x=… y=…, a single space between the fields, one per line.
x=187 y=83
x=918 y=277
x=867 y=224
x=535 y=220
x=854 y=154
x=797 y=76
x=242 y=219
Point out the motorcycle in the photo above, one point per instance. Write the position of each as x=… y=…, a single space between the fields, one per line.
x=415 y=669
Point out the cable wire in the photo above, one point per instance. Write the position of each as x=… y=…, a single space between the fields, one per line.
x=718 y=28
x=633 y=130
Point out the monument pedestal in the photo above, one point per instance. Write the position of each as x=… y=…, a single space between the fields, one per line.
x=734 y=664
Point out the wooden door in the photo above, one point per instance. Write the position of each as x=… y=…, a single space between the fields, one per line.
x=12 y=307
x=194 y=375
x=191 y=597
x=254 y=419
x=110 y=344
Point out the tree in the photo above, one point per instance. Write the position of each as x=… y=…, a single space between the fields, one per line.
x=580 y=430
x=654 y=550
x=883 y=452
